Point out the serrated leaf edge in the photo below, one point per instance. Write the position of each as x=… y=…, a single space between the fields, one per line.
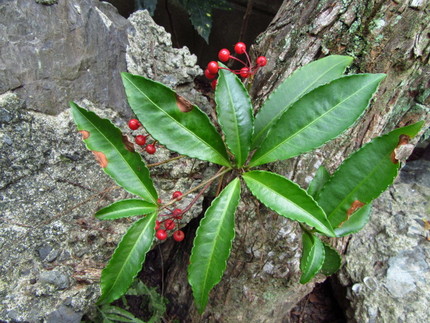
x=299 y=96
x=255 y=162
x=77 y=107
x=147 y=226
x=242 y=160
x=326 y=245
x=310 y=255
x=98 y=216
x=355 y=231
x=293 y=203
x=220 y=156
x=224 y=265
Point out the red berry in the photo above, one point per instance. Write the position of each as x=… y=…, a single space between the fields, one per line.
x=140 y=140
x=169 y=224
x=159 y=201
x=176 y=194
x=178 y=235
x=214 y=84
x=261 y=61
x=150 y=149
x=161 y=234
x=157 y=225
x=224 y=55
x=240 y=48
x=209 y=75
x=244 y=72
x=134 y=124
x=213 y=67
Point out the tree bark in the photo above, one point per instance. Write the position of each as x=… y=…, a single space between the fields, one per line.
x=392 y=37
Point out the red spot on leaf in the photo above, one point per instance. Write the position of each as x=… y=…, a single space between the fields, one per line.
x=403 y=149
x=101 y=158
x=183 y=104
x=85 y=134
x=128 y=145
x=354 y=207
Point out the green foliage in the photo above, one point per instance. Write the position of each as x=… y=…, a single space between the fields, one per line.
x=107 y=144
x=127 y=259
x=298 y=84
x=332 y=261
x=125 y=208
x=355 y=222
x=312 y=121
x=312 y=256
x=156 y=305
x=156 y=302
x=363 y=176
x=288 y=199
x=320 y=179
x=235 y=117
x=311 y=107
x=212 y=244
x=174 y=122
x=200 y=12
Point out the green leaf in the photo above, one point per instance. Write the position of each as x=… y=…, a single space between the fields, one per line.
x=107 y=143
x=321 y=177
x=127 y=260
x=363 y=176
x=201 y=17
x=125 y=208
x=212 y=244
x=332 y=261
x=112 y=313
x=294 y=87
x=173 y=121
x=288 y=199
x=234 y=111
x=157 y=303
x=312 y=257
x=355 y=222
x=318 y=117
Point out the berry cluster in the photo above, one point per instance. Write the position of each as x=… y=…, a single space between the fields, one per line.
x=169 y=223
x=134 y=124
x=249 y=69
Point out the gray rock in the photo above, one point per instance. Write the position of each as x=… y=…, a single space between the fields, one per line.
x=67 y=51
x=52 y=249
x=391 y=253
x=64 y=314
x=59 y=279
x=44 y=251
x=150 y=54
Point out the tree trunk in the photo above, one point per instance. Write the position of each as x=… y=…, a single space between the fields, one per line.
x=392 y=37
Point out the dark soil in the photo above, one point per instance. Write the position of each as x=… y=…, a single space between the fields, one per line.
x=319 y=306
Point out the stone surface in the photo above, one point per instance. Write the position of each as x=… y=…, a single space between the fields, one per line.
x=150 y=54
x=390 y=283
x=52 y=249
x=70 y=50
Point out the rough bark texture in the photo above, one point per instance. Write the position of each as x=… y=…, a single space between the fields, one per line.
x=392 y=37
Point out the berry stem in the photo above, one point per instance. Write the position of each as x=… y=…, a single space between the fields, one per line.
x=165 y=161
x=238 y=59
x=205 y=185
x=247 y=57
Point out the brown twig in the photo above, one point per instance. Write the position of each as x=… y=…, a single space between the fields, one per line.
x=165 y=161
x=205 y=184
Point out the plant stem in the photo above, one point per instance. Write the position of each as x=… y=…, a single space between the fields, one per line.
x=205 y=184
x=165 y=161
